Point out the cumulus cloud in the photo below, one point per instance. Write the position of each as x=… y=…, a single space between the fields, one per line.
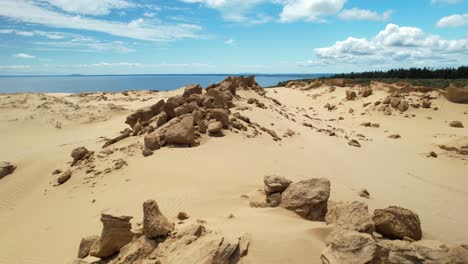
x=23 y=56
x=451 y=2
x=394 y=46
x=310 y=10
x=141 y=29
x=89 y=7
x=364 y=14
x=453 y=21
x=230 y=41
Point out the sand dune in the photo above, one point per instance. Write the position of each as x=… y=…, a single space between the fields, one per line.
x=43 y=223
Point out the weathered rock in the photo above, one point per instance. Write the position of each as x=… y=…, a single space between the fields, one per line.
x=394 y=136
x=400 y=252
x=403 y=105
x=147 y=152
x=396 y=223
x=85 y=246
x=244 y=242
x=275 y=184
x=308 y=198
x=416 y=105
x=350 y=95
x=274 y=200
x=364 y=193
x=79 y=154
x=351 y=247
x=155 y=224
x=215 y=127
x=182 y=216
x=124 y=134
x=116 y=233
x=354 y=143
x=456 y=124
x=395 y=101
x=152 y=141
x=456 y=95
x=6 y=168
x=182 y=132
x=350 y=216
x=135 y=252
x=220 y=115
x=64 y=177
x=144 y=114
x=192 y=89
x=366 y=91
x=426 y=104
x=387 y=100
x=159 y=120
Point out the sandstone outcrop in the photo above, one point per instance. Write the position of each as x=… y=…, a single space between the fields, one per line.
x=116 y=233
x=155 y=224
x=350 y=216
x=6 y=168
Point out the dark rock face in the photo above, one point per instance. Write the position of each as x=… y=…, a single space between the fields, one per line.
x=144 y=114
x=6 y=168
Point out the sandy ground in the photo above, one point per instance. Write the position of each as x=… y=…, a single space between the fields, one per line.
x=44 y=224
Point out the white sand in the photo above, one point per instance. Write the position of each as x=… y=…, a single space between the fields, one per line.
x=44 y=224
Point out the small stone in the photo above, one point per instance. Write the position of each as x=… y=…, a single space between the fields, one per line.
x=64 y=177
x=456 y=124
x=432 y=154
x=354 y=143
x=182 y=216
x=394 y=136
x=364 y=193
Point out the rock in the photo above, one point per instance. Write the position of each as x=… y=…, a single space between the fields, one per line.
x=244 y=242
x=350 y=216
x=147 y=152
x=79 y=154
x=274 y=200
x=155 y=224
x=152 y=141
x=181 y=133
x=415 y=105
x=308 y=198
x=432 y=154
x=192 y=230
x=144 y=114
x=159 y=120
x=456 y=124
x=115 y=234
x=394 y=136
x=192 y=89
x=403 y=105
x=182 y=216
x=426 y=104
x=351 y=247
x=64 y=177
x=350 y=95
x=456 y=95
x=56 y=171
x=6 y=168
x=395 y=101
x=220 y=115
x=215 y=127
x=366 y=124
x=275 y=184
x=124 y=134
x=396 y=223
x=364 y=193
x=354 y=143
x=85 y=246
x=400 y=252
x=366 y=91
x=387 y=100
x=135 y=252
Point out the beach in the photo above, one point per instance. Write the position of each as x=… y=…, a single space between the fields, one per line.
x=300 y=132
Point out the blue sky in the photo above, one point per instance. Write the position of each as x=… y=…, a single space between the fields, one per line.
x=229 y=36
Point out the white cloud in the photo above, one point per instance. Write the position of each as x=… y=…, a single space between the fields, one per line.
x=230 y=41
x=451 y=2
x=14 y=67
x=453 y=21
x=89 y=7
x=310 y=10
x=364 y=14
x=23 y=56
x=394 y=46
x=142 y=29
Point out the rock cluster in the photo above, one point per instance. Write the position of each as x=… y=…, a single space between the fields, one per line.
x=6 y=168
x=181 y=120
x=159 y=242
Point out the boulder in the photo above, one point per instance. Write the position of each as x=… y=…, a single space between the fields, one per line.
x=220 y=115
x=456 y=94
x=403 y=105
x=366 y=91
x=395 y=101
x=275 y=184
x=351 y=247
x=308 y=198
x=152 y=141
x=350 y=95
x=85 y=246
x=350 y=216
x=181 y=133
x=426 y=104
x=144 y=114
x=116 y=233
x=397 y=223
x=64 y=177
x=159 y=120
x=192 y=89
x=215 y=127
x=135 y=252
x=6 y=168
x=155 y=224
x=456 y=124
x=79 y=154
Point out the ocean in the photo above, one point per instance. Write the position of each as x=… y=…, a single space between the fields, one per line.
x=117 y=83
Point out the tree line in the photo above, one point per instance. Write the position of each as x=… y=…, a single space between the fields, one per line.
x=411 y=73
